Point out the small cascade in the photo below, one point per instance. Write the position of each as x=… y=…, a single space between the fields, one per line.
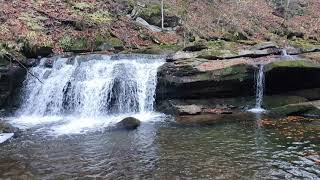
x=104 y=88
x=259 y=90
x=285 y=55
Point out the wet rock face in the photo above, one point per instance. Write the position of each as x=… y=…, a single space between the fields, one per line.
x=196 y=88
x=311 y=108
x=199 y=78
x=10 y=81
x=286 y=76
x=7 y=128
x=196 y=78
x=129 y=123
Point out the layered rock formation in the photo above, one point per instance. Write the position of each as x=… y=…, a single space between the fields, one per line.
x=210 y=89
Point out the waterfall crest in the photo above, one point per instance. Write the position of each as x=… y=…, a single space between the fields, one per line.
x=101 y=87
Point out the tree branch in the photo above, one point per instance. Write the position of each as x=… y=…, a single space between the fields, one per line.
x=21 y=64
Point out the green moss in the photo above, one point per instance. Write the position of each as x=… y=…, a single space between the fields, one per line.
x=304 y=45
x=217 y=54
x=99 y=17
x=238 y=72
x=223 y=46
x=218 y=44
x=295 y=109
x=36 y=38
x=152 y=9
x=108 y=39
x=90 y=15
x=69 y=43
x=291 y=64
x=33 y=23
x=278 y=101
x=82 y=5
x=152 y=14
x=115 y=42
x=157 y=49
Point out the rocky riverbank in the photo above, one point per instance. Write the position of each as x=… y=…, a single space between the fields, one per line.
x=211 y=61
x=198 y=89
x=210 y=88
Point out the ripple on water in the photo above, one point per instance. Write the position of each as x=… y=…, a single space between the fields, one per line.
x=162 y=150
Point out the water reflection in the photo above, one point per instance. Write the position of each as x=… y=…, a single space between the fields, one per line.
x=165 y=150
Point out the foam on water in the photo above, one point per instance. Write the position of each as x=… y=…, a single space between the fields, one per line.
x=5 y=136
x=81 y=95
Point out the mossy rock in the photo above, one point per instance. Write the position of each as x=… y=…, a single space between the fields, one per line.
x=197 y=46
x=152 y=14
x=107 y=42
x=90 y=14
x=304 y=45
x=291 y=64
x=315 y=56
x=236 y=72
x=69 y=43
x=270 y=102
x=296 y=109
x=157 y=49
x=217 y=54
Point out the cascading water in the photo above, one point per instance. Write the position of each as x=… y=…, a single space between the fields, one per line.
x=81 y=94
x=259 y=90
x=285 y=55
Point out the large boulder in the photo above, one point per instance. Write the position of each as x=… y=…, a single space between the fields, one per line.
x=300 y=109
x=11 y=79
x=201 y=78
x=152 y=14
x=291 y=75
x=7 y=128
x=7 y=131
x=128 y=123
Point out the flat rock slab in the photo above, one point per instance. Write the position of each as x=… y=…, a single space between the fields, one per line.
x=5 y=136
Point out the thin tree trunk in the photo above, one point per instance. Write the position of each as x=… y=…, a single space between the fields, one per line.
x=23 y=66
x=162 y=14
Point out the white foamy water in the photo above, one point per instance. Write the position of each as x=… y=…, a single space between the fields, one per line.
x=259 y=91
x=5 y=136
x=80 y=94
x=285 y=55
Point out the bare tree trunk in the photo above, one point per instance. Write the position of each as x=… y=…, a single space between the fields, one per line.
x=162 y=14
x=286 y=9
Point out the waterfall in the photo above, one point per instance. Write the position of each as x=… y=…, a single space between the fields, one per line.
x=259 y=90
x=285 y=55
x=89 y=90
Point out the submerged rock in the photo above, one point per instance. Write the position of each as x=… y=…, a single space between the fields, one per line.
x=128 y=123
x=212 y=119
x=311 y=108
x=7 y=128
x=7 y=131
x=188 y=109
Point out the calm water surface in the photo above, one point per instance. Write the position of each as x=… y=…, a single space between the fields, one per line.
x=165 y=150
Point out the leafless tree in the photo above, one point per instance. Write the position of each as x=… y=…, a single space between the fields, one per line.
x=162 y=14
